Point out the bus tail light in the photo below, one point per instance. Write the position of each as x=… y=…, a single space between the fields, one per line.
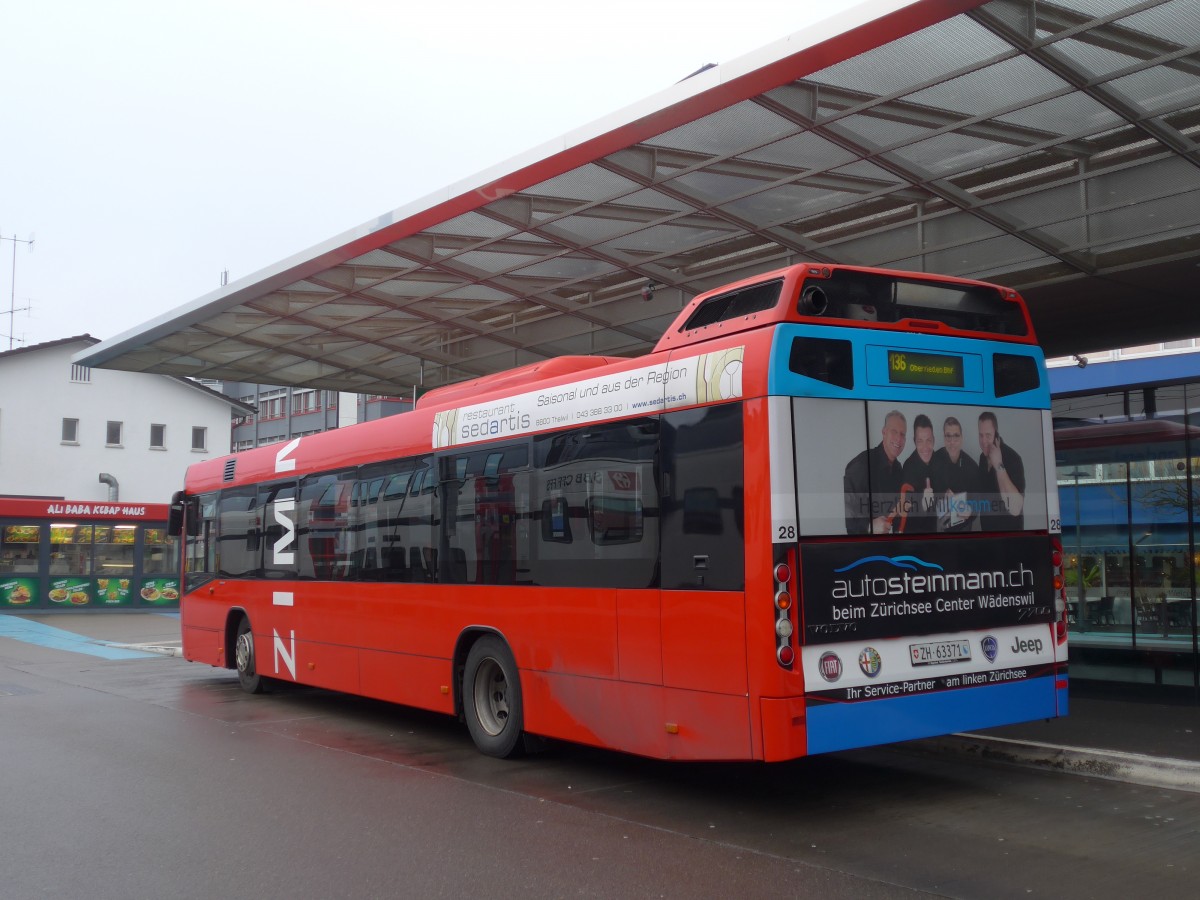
x=1060 y=590
x=784 y=627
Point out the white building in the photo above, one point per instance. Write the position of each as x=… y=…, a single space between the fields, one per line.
x=63 y=426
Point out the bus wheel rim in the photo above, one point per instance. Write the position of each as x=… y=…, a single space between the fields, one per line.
x=245 y=653
x=491 y=697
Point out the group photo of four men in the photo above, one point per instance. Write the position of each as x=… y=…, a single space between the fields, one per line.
x=935 y=489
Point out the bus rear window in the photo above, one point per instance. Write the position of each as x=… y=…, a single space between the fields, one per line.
x=876 y=297
x=735 y=304
x=1014 y=374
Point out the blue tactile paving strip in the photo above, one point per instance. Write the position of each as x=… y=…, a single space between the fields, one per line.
x=21 y=629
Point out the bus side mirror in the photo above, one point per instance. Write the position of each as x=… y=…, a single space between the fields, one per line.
x=175 y=515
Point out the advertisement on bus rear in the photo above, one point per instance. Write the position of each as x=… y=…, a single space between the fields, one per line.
x=853 y=672
x=906 y=469
x=869 y=590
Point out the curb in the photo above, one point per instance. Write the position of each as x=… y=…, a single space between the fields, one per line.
x=1113 y=765
x=160 y=649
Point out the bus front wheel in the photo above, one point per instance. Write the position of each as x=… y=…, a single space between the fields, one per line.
x=492 y=698
x=246 y=658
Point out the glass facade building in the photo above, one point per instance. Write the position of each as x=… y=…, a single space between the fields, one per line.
x=1128 y=461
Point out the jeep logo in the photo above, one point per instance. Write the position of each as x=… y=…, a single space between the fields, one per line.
x=1020 y=645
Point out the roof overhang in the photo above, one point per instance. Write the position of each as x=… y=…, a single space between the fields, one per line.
x=1047 y=146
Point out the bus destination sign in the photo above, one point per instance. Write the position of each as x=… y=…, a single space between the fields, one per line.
x=906 y=367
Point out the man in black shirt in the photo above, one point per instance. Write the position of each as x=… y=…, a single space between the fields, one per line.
x=872 y=481
x=955 y=480
x=1001 y=479
x=918 y=475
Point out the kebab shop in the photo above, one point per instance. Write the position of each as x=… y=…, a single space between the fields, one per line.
x=79 y=555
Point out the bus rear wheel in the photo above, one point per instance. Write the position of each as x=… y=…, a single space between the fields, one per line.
x=491 y=694
x=246 y=659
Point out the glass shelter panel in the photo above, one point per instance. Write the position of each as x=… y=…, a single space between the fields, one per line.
x=1127 y=480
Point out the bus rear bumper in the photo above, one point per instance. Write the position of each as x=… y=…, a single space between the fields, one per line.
x=843 y=726
x=792 y=727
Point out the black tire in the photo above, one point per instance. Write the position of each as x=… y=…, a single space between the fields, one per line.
x=245 y=656
x=491 y=692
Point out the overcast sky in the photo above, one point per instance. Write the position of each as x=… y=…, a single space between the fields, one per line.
x=147 y=146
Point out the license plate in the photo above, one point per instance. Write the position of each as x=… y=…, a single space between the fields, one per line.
x=938 y=652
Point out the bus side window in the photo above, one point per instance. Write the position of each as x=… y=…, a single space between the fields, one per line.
x=323 y=535
x=277 y=506
x=595 y=494
x=702 y=516
x=238 y=553
x=485 y=505
x=380 y=548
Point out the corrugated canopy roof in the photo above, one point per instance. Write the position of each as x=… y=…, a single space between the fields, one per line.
x=1048 y=146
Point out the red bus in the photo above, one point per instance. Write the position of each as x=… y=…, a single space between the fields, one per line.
x=772 y=536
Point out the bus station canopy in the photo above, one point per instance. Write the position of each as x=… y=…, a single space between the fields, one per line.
x=1047 y=145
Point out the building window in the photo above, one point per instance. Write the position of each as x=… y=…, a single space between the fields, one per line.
x=80 y=374
x=306 y=401
x=272 y=404
x=112 y=434
x=199 y=438
x=158 y=437
x=1140 y=350
x=70 y=431
x=272 y=408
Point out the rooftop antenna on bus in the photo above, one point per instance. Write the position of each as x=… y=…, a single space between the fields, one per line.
x=12 y=293
x=224 y=277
